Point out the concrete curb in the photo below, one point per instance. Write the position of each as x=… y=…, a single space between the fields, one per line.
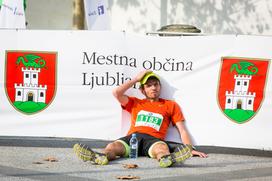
x=58 y=142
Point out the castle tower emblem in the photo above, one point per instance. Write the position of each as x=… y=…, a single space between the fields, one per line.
x=30 y=80
x=30 y=90
x=241 y=87
x=240 y=98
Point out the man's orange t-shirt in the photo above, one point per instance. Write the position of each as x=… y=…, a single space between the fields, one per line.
x=152 y=118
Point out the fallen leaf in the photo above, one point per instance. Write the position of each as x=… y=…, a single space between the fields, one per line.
x=130 y=166
x=51 y=159
x=128 y=177
x=37 y=162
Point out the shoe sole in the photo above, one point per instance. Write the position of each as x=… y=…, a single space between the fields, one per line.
x=86 y=154
x=183 y=153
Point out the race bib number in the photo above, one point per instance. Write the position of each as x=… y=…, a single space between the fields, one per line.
x=149 y=119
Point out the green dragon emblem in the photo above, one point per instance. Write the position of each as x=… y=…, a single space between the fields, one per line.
x=31 y=60
x=246 y=68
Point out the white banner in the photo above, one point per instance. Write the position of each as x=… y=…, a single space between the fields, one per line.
x=97 y=15
x=62 y=86
x=12 y=14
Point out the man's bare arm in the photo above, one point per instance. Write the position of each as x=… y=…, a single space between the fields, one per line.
x=185 y=137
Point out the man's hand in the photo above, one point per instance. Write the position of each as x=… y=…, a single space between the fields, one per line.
x=141 y=75
x=200 y=154
x=119 y=92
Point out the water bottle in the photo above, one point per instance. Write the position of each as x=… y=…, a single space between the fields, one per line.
x=133 y=146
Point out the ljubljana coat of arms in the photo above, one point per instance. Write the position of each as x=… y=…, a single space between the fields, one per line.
x=241 y=87
x=30 y=80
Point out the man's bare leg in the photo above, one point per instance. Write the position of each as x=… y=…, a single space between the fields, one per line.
x=159 y=150
x=114 y=149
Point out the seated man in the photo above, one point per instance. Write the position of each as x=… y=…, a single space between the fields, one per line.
x=150 y=133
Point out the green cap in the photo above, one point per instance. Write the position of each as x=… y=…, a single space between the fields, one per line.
x=147 y=76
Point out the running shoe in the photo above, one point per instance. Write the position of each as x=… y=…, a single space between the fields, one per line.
x=182 y=153
x=87 y=154
x=166 y=161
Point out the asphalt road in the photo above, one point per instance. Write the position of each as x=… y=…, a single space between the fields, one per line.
x=24 y=158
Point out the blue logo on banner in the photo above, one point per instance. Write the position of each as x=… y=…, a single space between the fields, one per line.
x=100 y=10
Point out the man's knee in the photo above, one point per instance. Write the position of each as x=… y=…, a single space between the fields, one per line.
x=161 y=147
x=158 y=149
x=116 y=147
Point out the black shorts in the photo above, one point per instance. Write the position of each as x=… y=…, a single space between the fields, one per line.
x=145 y=142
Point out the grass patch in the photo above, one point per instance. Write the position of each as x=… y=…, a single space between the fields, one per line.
x=29 y=106
x=239 y=115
